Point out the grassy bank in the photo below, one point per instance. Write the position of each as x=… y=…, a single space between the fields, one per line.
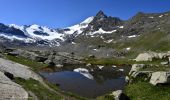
x=109 y=61
x=41 y=92
x=146 y=91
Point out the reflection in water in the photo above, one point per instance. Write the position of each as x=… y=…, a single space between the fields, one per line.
x=75 y=82
x=84 y=72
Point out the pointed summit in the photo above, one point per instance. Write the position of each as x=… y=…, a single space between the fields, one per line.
x=101 y=14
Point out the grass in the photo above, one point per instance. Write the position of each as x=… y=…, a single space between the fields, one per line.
x=105 y=97
x=120 y=61
x=146 y=91
x=155 y=65
x=38 y=89
x=152 y=41
x=35 y=66
x=109 y=61
x=67 y=93
x=156 y=68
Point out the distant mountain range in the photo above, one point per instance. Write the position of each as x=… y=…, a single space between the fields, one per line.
x=99 y=24
x=101 y=29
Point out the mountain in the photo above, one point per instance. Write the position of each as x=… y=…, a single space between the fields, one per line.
x=96 y=34
x=35 y=33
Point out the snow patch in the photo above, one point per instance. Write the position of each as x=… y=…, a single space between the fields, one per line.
x=12 y=38
x=88 y=20
x=95 y=49
x=151 y=17
x=121 y=26
x=132 y=36
x=79 y=27
x=108 y=41
x=52 y=34
x=101 y=31
x=102 y=37
x=128 y=48
x=161 y=16
x=121 y=70
x=17 y=27
x=73 y=43
x=114 y=66
x=100 y=67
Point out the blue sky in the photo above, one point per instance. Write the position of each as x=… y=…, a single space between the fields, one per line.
x=63 y=13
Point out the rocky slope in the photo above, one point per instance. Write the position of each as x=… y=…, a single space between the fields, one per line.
x=11 y=90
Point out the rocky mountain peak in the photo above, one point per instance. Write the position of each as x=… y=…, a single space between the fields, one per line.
x=103 y=21
x=101 y=14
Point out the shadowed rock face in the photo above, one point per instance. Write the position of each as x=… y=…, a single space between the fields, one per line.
x=9 y=75
x=11 y=30
x=105 y=22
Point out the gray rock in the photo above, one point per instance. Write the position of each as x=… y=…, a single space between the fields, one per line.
x=164 y=63
x=18 y=70
x=28 y=55
x=10 y=90
x=127 y=79
x=88 y=65
x=142 y=74
x=136 y=67
x=146 y=56
x=149 y=56
x=59 y=66
x=119 y=95
x=160 y=78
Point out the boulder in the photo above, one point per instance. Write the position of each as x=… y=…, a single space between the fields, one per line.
x=127 y=79
x=146 y=56
x=48 y=61
x=149 y=56
x=160 y=78
x=59 y=65
x=119 y=95
x=28 y=55
x=10 y=90
x=164 y=63
x=18 y=70
x=136 y=67
x=142 y=74
x=89 y=64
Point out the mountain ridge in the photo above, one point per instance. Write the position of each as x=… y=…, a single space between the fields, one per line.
x=95 y=26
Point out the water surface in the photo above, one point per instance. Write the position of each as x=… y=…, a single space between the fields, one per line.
x=77 y=83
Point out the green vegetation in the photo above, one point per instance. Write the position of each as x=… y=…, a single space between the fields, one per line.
x=156 y=68
x=105 y=97
x=38 y=89
x=109 y=61
x=35 y=66
x=120 y=61
x=145 y=91
x=152 y=41
x=71 y=95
